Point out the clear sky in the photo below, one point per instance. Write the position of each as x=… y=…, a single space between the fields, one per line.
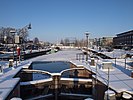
x=53 y=20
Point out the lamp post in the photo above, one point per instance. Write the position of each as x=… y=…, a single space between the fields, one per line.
x=87 y=35
x=27 y=27
x=22 y=33
x=13 y=34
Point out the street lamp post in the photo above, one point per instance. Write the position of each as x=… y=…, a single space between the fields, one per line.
x=25 y=28
x=13 y=40
x=87 y=35
x=13 y=33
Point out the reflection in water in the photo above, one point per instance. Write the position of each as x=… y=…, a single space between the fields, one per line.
x=50 y=66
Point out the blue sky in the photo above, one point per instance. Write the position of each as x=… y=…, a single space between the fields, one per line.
x=53 y=20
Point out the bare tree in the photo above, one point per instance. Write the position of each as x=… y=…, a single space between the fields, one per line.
x=23 y=33
x=5 y=32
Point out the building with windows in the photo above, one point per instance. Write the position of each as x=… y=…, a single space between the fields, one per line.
x=124 y=39
x=104 y=41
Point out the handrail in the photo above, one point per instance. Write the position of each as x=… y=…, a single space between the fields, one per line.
x=71 y=69
x=38 y=71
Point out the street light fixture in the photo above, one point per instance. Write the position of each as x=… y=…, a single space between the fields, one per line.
x=29 y=27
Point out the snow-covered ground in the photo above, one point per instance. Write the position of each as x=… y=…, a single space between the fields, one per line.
x=120 y=60
x=117 y=53
x=119 y=78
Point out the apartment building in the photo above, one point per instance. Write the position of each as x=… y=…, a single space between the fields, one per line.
x=124 y=39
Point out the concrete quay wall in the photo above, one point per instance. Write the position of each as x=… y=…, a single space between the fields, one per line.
x=25 y=56
x=34 y=54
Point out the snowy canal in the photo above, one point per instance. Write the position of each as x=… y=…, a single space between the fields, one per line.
x=93 y=79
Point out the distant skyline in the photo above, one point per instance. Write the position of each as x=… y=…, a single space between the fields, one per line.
x=53 y=20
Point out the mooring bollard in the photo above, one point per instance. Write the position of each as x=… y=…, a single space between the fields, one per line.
x=11 y=63
x=126 y=96
x=109 y=95
x=92 y=63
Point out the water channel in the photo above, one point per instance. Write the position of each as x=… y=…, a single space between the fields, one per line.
x=69 y=88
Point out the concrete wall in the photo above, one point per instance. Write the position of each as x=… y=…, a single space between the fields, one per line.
x=80 y=73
